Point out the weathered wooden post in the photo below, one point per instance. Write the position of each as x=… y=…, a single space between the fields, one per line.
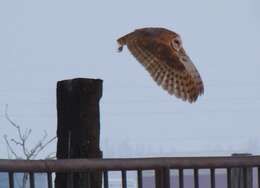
x=241 y=177
x=78 y=129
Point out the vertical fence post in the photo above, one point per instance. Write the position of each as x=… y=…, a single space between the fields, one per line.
x=162 y=178
x=241 y=177
x=78 y=129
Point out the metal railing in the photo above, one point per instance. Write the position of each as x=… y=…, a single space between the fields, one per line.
x=161 y=167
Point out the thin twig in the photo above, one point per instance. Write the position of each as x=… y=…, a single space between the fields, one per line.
x=23 y=137
x=27 y=134
x=38 y=146
x=10 y=147
x=16 y=142
x=51 y=156
x=43 y=146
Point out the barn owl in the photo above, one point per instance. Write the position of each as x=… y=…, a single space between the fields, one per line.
x=162 y=54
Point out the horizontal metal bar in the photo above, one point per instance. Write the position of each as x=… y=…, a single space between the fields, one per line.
x=82 y=165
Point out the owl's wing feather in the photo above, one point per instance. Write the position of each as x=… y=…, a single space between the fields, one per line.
x=180 y=78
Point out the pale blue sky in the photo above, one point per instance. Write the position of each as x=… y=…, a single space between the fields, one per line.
x=42 y=42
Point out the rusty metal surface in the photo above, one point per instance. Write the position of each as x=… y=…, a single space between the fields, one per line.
x=81 y=165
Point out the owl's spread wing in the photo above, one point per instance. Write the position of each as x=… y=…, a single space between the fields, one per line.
x=176 y=75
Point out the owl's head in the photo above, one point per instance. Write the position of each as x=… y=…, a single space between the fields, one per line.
x=171 y=38
x=176 y=43
x=163 y=36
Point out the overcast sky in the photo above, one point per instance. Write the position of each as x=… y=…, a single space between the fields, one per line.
x=42 y=42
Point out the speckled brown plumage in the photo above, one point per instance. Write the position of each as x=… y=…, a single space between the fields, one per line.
x=161 y=52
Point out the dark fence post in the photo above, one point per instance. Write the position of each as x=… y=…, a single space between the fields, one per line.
x=241 y=177
x=162 y=178
x=78 y=129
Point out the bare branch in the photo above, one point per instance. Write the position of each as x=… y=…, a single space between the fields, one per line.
x=22 y=137
x=17 y=181
x=8 y=118
x=43 y=146
x=38 y=146
x=51 y=156
x=21 y=141
x=34 y=149
x=27 y=134
x=10 y=147
x=51 y=140
x=25 y=178
x=12 y=122
x=44 y=136
x=16 y=142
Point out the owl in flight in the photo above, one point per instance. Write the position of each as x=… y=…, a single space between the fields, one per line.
x=162 y=54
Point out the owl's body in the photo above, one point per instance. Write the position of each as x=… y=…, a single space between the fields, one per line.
x=160 y=51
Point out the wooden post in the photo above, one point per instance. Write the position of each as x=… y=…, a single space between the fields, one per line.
x=78 y=129
x=241 y=177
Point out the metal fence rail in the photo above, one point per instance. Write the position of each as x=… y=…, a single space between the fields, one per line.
x=161 y=166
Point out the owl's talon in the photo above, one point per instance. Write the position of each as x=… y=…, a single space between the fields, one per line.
x=120 y=48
